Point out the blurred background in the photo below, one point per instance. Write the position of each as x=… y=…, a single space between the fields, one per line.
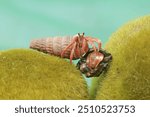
x=23 y=20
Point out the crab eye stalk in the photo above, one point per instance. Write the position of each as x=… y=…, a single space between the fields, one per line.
x=83 y=34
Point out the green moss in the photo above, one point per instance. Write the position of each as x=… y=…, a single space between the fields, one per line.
x=29 y=74
x=129 y=74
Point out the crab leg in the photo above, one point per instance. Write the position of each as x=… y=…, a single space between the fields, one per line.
x=84 y=44
x=72 y=52
x=92 y=40
x=92 y=43
x=99 y=43
x=64 y=50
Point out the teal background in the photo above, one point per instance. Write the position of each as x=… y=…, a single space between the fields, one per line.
x=23 y=20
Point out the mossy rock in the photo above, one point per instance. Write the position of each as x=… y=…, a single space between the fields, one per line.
x=29 y=74
x=129 y=74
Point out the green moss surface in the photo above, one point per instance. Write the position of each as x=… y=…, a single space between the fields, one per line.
x=129 y=74
x=29 y=74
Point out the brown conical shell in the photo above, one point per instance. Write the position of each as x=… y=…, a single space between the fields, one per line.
x=52 y=45
x=39 y=45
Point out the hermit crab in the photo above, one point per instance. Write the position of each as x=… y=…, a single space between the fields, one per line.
x=72 y=47
x=93 y=63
